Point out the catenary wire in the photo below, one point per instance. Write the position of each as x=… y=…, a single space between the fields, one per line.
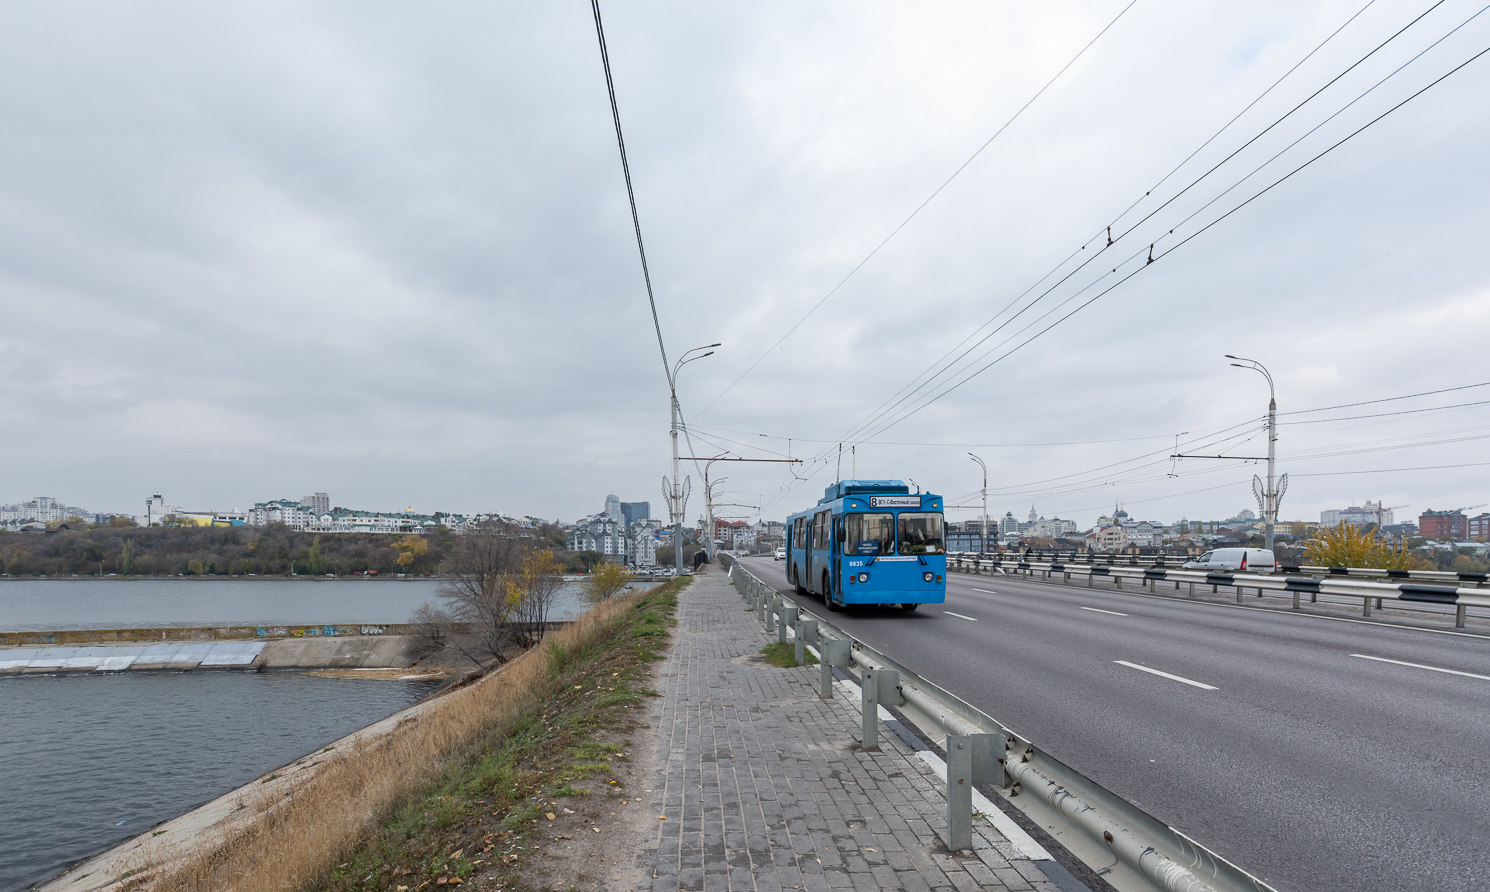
x=615 y=110
x=1180 y=244
x=767 y=352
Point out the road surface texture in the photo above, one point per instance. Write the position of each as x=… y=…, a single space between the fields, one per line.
x=762 y=786
x=1309 y=750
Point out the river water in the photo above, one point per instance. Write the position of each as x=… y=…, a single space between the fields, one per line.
x=88 y=761
x=28 y=605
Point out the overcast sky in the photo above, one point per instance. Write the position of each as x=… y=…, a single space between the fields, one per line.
x=384 y=251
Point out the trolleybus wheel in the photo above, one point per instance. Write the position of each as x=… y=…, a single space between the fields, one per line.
x=909 y=607
x=828 y=593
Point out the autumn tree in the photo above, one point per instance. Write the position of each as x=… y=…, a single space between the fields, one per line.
x=605 y=582
x=1348 y=546
x=409 y=549
x=532 y=591
x=485 y=571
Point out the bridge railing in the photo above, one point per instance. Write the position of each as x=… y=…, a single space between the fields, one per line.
x=1370 y=593
x=1478 y=580
x=982 y=750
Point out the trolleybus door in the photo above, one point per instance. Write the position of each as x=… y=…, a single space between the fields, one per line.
x=807 y=554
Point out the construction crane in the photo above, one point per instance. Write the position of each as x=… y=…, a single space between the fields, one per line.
x=1381 y=513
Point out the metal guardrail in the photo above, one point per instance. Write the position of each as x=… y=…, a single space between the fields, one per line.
x=980 y=750
x=1478 y=580
x=1370 y=592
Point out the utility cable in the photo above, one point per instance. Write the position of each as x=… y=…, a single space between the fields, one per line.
x=1156 y=257
x=893 y=401
x=914 y=213
x=610 y=88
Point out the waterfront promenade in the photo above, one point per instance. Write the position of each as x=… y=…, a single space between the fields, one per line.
x=761 y=785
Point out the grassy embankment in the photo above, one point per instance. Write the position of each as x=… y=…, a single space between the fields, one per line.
x=429 y=804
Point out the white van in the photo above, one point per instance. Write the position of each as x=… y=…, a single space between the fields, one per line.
x=1240 y=560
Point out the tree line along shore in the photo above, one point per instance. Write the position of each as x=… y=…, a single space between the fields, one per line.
x=125 y=550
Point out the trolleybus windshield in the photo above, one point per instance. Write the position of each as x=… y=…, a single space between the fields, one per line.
x=869 y=534
x=921 y=533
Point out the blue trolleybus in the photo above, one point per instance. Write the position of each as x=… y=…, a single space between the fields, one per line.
x=869 y=542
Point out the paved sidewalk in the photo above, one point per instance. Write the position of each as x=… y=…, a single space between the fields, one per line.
x=764 y=786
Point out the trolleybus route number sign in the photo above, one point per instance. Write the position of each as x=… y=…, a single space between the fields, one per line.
x=894 y=501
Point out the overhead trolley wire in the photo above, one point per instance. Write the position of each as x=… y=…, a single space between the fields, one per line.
x=615 y=110
x=1125 y=212
x=919 y=208
x=1159 y=256
x=899 y=399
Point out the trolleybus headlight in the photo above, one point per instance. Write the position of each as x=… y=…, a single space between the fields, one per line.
x=928 y=576
x=863 y=577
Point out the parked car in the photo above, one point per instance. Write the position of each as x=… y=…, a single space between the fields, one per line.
x=1244 y=560
x=779 y=554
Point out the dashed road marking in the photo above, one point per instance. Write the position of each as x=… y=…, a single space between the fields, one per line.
x=1179 y=678
x=986 y=591
x=972 y=619
x=1100 y=610
x=1421 y=666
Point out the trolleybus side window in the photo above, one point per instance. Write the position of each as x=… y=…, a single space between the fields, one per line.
x=799 y=533
x=921 y=533
x=820 y=530
x=869 y=534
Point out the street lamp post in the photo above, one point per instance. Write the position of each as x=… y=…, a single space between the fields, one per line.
x=983 y=545
x=1273 y=494
x=676 y=495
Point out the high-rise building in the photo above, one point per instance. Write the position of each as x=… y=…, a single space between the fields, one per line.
x=613 y=507
x=319 y=503
x=631 y=512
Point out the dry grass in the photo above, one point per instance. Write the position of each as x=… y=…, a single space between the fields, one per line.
x=293 y=839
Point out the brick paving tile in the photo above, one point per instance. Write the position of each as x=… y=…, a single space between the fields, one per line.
x=765 y=787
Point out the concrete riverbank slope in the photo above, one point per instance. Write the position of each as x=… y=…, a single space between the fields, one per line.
x=361 y=652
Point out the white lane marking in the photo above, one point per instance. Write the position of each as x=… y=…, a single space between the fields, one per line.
x=986 y=591
x=972 y=619
x=1178 y=678
x=1100 y=610
x=1421 y=666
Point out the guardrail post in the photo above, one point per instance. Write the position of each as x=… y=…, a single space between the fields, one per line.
x=834 y=652
x=806 y=634
x=768 y=615
x=787 y=617
x=1367 y=611
x=876 y=685
x=1459 y=611
x=971 y=759
x=1296 y=600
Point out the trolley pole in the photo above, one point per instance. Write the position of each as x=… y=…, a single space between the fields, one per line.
x=676 y=495
x=983 y=545
x=1272 y=494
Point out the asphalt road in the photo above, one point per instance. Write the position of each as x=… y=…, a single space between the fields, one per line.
x=1303 y=761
